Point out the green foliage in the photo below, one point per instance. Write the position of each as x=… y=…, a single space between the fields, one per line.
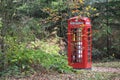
x=0 y=23
x=55 y=62
x=105 y=29
x=33 y=9
x=96 y=54
x=20 y=60
x=49 y=46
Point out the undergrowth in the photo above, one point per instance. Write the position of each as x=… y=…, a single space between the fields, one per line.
x=28 y=61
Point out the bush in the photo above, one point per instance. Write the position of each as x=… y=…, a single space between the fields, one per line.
x=96 y=54
x=27 y=60
x=50 y=46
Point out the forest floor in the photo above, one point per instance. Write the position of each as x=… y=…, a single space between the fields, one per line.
x=109 y=69
x=99 y=71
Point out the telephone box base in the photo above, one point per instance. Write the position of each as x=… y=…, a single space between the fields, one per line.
x=81 y=66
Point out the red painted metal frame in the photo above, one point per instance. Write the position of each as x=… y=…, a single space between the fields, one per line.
x=85 y=25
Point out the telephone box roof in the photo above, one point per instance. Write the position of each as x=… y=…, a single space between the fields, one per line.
x=79 y=18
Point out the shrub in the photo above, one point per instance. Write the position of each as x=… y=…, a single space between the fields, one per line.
x=23 y=60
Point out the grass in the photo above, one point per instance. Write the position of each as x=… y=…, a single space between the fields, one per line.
x=91 y=75
x=112 y=64
x=81 y=75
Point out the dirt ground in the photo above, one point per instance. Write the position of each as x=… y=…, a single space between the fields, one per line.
x=96 y=73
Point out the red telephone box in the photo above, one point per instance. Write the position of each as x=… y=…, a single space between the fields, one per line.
x=79 y=42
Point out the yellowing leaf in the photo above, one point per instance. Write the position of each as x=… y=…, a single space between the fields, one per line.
x=81 y=1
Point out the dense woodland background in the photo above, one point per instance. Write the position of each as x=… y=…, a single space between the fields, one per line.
x=33 y=33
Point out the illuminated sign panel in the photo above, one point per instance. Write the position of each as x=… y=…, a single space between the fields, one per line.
x=76 y=23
